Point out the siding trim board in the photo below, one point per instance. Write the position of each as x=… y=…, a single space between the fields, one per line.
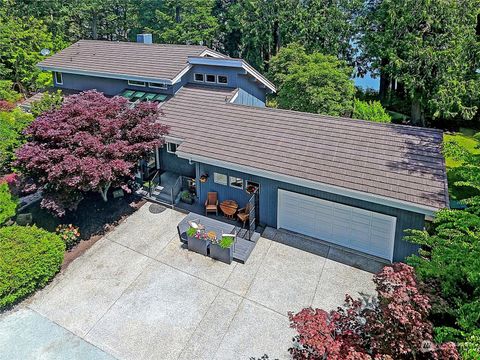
x=428 y=211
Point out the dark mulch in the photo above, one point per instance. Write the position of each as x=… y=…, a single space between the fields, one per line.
x=93 y=217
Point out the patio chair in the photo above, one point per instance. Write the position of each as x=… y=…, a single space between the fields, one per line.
x=211 y=204
x=244 y=214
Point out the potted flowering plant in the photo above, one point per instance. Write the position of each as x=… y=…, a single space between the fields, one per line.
x=222 y=249
x=197 y=239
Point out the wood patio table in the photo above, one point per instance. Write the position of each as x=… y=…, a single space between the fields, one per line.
x=229 y=208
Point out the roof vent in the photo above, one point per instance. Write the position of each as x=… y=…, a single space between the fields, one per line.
x=144 y=38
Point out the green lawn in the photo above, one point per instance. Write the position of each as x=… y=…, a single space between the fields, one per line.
x=466 y=140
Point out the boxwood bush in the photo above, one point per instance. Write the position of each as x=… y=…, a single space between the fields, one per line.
x=29 y=258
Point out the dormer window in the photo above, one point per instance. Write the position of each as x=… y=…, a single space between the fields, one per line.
x=199 y=77
x=58 y=78
x=157 y=85
x=210 y=78
x=222 y=79
x=136 y=83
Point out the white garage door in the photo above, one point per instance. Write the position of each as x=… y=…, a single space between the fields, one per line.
x=355 y=228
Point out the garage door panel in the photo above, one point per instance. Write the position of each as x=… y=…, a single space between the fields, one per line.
x=359 y=229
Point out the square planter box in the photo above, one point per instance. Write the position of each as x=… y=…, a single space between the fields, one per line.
x=221 y=254
x=198 y=245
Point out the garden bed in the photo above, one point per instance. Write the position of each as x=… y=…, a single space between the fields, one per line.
x=94 y=218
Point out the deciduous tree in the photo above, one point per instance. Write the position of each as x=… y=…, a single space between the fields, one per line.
x=314 y=83
x=90 y=144
x=394 y=327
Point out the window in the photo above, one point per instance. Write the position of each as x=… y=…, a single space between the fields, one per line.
x=171 y=148
x=198 y=77
x=157 y=85
x=236 y=182
x=222 y=79
x=136 y=83
x=59 y=78
x=210 y=78
x=220 y=179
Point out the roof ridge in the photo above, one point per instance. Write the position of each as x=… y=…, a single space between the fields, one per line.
x=141 y=44
x=331 y=117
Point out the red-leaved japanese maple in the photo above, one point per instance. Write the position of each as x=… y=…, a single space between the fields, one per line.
x=90 y=144
x=394 y=326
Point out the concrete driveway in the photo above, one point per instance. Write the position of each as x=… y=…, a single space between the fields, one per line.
x=137 y=294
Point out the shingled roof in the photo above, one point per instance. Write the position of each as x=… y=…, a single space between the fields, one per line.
x=136 y=60
x=390 y=161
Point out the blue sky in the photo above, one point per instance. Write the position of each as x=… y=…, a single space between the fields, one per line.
x=367 y=82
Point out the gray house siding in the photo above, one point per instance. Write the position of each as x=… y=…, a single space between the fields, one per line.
x=106 y=85
x=236 y=78
x=268 y=204
x=171 y=162
x=245 y=98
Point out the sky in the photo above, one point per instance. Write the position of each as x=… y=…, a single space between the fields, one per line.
x=367 y=82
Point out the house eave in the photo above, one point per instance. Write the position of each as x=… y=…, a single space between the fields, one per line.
x=428 y=211
x=105 y=75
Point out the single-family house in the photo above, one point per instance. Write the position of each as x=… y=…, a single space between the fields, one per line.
x=353 y=183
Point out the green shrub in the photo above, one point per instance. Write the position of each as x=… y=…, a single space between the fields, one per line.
x=49 y=101
x=29 y=258
x=12 y=124
x=470 y=348
x=370 y=110
x=7 y=93
x=8 y=203
x=448 y=265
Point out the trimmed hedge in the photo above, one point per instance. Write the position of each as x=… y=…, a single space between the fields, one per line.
x=29 y=258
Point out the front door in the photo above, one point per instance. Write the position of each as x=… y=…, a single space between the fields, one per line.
x=150 y=166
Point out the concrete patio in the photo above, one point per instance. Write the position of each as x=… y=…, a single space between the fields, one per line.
x=137 y=294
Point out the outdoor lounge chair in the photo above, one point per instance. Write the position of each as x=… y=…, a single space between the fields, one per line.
x=243 y=214
x=211 y=204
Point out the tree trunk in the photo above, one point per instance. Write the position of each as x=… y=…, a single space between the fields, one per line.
x=94 y=26
x=384 y=81
x=104 y=191
x=277 y=40
x=417 y=116
x=178 y=18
